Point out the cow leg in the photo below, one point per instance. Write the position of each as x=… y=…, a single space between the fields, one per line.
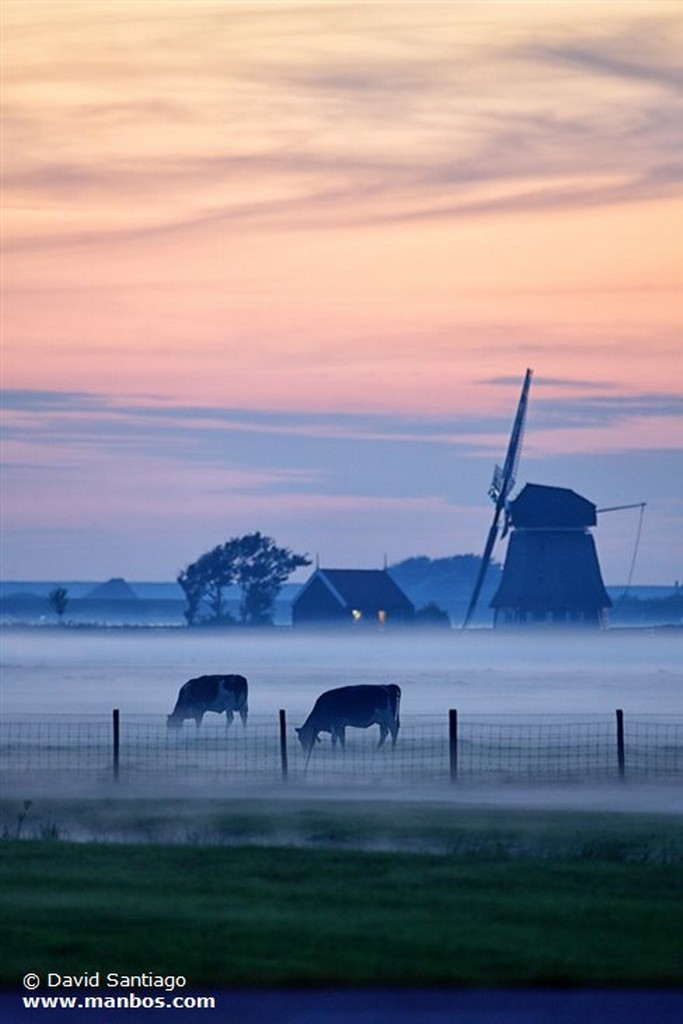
x=229 y=718
x=338 y=732
x=198 y=718
x=394 y=733
x=382 y=734
x=243 y=715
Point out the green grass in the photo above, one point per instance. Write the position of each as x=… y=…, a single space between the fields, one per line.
x=267 y=916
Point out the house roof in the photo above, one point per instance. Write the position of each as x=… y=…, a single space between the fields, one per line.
x=115 y=589
x=361 y=588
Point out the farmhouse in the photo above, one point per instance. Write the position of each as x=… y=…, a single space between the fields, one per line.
x=360 y=597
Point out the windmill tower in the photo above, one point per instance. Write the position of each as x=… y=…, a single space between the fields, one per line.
x=551 y=573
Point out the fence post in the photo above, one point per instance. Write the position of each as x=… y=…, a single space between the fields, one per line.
x=283 y=744
x=117 y=742
x=453 y=743
x=621 y=751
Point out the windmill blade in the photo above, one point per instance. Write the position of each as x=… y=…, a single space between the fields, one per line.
x=485 y=560
x=503 y=482
x=515 y=444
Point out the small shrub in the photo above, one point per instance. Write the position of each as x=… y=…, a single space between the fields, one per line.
x=50 y=831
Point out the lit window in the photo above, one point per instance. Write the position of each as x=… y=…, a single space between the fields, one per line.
x=356 y=614
x=382 y=616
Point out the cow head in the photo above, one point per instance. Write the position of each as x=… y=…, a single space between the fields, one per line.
x=308 y=738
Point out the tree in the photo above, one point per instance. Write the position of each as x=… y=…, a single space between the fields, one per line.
x=432 y=615
x=262 y=569
x=205 y=581
x=58 y=599
x=254 y=563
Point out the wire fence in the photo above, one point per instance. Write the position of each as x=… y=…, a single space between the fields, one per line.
x=430 y=749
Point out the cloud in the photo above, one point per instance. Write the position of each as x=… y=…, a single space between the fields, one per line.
x=555 y=382
x=296 y=448
x=625 y=56
x=385 y=127
x=37 y=400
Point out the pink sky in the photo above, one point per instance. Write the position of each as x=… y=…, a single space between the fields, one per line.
x=379 y=211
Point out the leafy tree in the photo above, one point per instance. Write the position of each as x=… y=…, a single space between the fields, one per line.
x=193 y=588
x=254 y=563
x=58 y=599
x=206 y=580
x=262 y=569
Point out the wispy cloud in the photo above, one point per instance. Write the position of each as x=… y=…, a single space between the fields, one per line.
x=417 y=130
x=287 y=439
x=606 y=410
x=556 y=382
x=643 y=52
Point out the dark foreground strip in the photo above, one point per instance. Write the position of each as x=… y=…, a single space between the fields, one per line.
x=392 y=1007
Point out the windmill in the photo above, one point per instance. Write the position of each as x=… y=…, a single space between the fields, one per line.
x=500 y=489
x=551 y=575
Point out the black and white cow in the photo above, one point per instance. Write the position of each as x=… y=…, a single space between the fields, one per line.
x=210 y=693
x=359 y=706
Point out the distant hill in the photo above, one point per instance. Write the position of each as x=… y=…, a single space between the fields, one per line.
x=448 y=582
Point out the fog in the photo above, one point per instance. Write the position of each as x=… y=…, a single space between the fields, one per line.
x=75 y=671
x=71 y=673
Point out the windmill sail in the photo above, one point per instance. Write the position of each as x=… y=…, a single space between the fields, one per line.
x=501 y=486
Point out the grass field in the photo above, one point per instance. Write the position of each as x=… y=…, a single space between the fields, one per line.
x=510 y=898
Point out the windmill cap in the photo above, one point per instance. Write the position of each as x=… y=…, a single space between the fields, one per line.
x=542 y=507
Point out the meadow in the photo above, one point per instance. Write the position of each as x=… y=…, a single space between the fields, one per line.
x=312 y=893
x=241 y=883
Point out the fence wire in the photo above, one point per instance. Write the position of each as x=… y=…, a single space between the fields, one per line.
x=538 y=750
x=532 y=748
x=654 y=749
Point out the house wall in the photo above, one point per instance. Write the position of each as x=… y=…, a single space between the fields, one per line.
x=317 y=605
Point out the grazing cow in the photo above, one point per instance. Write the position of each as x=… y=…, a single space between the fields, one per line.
x=210 y=693
x=359 y=706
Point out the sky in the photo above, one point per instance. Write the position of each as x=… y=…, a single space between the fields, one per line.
x=282 y=267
